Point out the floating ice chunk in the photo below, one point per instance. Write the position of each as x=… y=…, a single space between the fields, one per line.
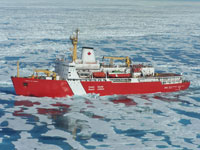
x=69 y=138
x=27 y=142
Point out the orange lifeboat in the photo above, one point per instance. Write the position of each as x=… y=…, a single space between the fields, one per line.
x=137 y=68
x=99 y=74
x=119 y=75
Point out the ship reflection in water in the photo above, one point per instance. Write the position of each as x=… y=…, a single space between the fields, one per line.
x=78 y=120
x=62 y=122
x=73 y=119
x=62 y=116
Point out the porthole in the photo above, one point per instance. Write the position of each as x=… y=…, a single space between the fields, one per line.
x=25 y=84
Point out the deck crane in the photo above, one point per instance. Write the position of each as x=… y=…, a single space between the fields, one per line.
x=46 y=72
x=127 y=59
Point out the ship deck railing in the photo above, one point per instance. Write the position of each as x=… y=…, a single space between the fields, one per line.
x=162 y=79
x=114 y=66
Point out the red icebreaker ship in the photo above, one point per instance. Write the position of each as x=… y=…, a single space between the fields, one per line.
x=86 y=75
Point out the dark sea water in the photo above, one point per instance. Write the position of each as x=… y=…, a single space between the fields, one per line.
x=163 y=33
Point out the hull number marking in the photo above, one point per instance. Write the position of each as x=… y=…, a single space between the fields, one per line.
x=98 y=88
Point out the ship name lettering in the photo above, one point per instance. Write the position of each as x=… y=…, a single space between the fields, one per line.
x=100 y=88
x=91 y=88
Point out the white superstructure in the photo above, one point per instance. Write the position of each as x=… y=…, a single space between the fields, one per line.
x=88 y=56
x=88 y=68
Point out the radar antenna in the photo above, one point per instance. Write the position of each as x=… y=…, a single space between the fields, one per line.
x=74 y=39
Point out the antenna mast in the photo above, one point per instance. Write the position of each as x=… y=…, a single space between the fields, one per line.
x=74 y=39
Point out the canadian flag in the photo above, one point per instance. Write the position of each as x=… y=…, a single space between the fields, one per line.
x=88 y=55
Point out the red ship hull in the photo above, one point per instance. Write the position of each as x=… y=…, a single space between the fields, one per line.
x=41 y=87
x=109 y=88
x=60 y=88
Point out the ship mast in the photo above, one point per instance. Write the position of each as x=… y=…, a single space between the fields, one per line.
x=17 y=68
x=74 y=39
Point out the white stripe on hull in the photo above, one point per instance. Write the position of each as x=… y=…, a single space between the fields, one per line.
x=76 y=87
